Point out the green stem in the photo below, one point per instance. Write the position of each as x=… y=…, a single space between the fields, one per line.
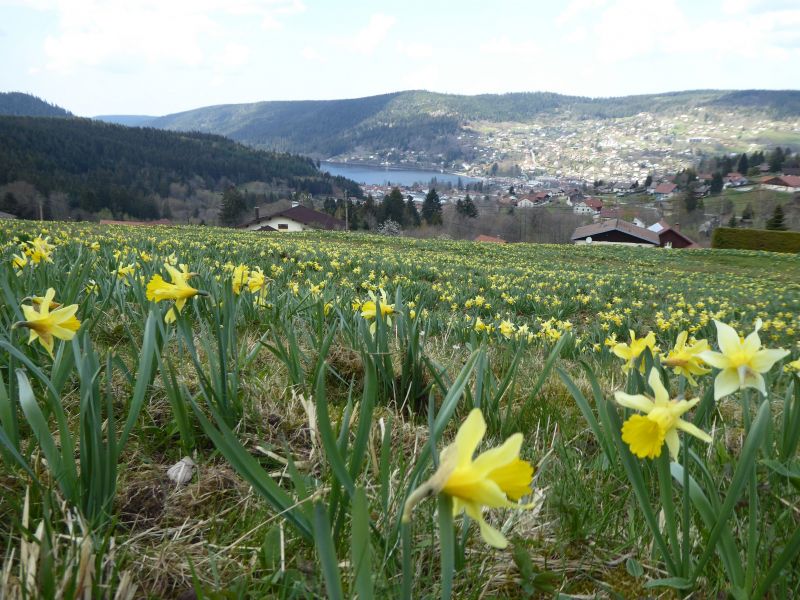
x=686 y=550
x=665 y=490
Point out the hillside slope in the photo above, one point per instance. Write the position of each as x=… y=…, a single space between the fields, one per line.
x=126 y=170
x=26 y=105
x=420 y=119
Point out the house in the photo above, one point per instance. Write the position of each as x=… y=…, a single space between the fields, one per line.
x=664 y=191
x=783 y=183
x=296 y=218
x=581 y=208
x=615 y=231
x=670 y=236
x=526 y=203
x=594 y=203
x=735 y=180
x=5 y=215
x=490 y=239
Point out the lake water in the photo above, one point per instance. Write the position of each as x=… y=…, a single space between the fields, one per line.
x=382 y=176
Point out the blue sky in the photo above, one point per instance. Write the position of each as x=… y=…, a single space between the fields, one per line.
x=161 y=56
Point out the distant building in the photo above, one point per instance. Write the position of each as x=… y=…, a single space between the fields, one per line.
x=615 y=231
x=664 y=191
x=296 y=218
x=5 y=215
x=783 y=183
x=490 y=239
x=670 y=236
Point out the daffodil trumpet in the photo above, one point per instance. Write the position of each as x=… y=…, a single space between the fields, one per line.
x=497 y=478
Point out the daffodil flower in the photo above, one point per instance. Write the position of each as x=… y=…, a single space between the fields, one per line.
x=45 y=325
x=177 y=290
x=630 y=352
x=646 y=434
x=685 y=360
x=497 y=478
x=369 y=309
x=742 y=361
x=241 y=275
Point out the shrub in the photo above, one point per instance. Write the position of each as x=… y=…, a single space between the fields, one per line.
x=756 y=239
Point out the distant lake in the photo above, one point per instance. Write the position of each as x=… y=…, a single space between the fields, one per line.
x=381 y=175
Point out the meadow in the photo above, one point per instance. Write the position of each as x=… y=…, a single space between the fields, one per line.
x=200 y=412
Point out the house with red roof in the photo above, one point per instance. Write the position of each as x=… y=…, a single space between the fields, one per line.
x=783 y=183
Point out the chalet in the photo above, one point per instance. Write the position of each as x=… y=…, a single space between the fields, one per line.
x=615 y=231
x=594 y=203
x=735 y=180
x=296 y=218
x=526 y=203
x=581 y=208
x=783 y=183
x=5 y=215
x=664 y=191
x=490 y=239
x=670 y=236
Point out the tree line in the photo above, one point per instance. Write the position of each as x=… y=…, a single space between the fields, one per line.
x=130 y=171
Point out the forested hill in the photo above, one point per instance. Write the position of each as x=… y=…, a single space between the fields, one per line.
x=414 y=118
x=129 y=170
x=25 y=105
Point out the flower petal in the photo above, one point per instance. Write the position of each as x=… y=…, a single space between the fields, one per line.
x=673 y=443
x=694 y=430
x=498 y=457
x=764 y=359
x=469 y=436
x=754 y=380
x=727 y=338
x=661 y=395
x=635 y=402
x=726 y=382
x=715 y=359
x=490 y=535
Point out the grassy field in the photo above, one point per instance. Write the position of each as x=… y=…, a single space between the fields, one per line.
x=315 y=381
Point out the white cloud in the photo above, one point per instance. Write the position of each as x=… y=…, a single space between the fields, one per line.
x=234 y=55
x=367 y=39
x=312 y=54
x=97 y=33
x=415 y=50
x=504 y=46
x=577 y=9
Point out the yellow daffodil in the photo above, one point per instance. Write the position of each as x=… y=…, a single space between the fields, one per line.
x=256 y=281
x=646 y=434
x=497 y=478
x=685 y=360
x=793 y=366
x=369 y=309
x=40 y=249
x=45 y=325
x=241 y=275
x=631 y=352
x=177 y=290
x=742 y=361
x=19 y=261
x=506 y=329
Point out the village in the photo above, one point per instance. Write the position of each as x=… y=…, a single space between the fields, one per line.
x=562 y=145
x=511 y=209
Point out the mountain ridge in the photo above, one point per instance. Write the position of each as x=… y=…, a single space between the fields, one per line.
x=417 y=118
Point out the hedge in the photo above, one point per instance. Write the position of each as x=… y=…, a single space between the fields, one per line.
x=756 y=239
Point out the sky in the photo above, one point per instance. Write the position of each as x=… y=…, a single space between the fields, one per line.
x=156 y=57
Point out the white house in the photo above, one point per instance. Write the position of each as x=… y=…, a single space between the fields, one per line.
x=296 y=218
